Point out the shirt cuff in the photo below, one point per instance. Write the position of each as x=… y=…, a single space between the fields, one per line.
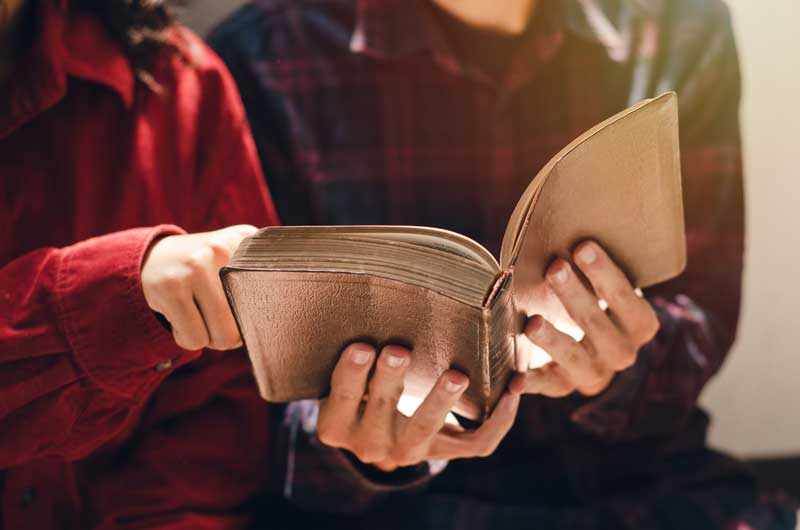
x=115 y=337
x=327 y=479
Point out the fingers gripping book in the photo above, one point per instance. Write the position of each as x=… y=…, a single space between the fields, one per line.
x=301 y=294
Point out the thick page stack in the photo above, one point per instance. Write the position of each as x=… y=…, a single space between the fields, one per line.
x=301 y=294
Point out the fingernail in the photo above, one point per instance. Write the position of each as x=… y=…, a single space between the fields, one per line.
x=395 y=361
x=587 y=254
x=360 y=355
x=535 y=324
x=453 y=387
x=560 y=275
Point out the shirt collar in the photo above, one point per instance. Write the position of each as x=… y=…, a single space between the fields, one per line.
x=66 y=45
x=391 y=28
x=90 y=53
x=611 y=23
x=394 y=28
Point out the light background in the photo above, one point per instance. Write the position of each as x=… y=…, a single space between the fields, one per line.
x=754 y=401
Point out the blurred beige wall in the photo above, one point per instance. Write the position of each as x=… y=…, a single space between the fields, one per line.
x=755 y=401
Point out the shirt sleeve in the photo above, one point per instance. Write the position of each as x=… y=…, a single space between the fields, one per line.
x=325 y=479
x=198 y=458
x=699 y=310
x=80 y=350
x=200 y=455
x=70 y=373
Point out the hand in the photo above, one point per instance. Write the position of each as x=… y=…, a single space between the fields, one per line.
x=376 y=433
x=180 y=279
x=612 y=338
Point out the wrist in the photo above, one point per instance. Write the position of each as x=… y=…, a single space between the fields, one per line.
x=105 y=272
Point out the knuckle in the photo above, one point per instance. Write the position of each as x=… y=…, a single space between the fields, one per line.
x=371 y=452
x=544 y=337
x=173 y=279
x=417 y=434
x=599 y=380
x=406 y=462
x=625 y=358
x=561 y=392
x=344 y=393
x=222 y=344
x=621 y=292
x=189 y=342
x=618 y=348
x=593 y=319
x=416 y=431
x=329 y=434
x=560 y=389
x=574 y=354
x=383 y=402
x=359 y=448
x=218 y=251
x=405 y=456
x=593 y=389
x=596 y=371
x=197 y=261
x=227 y=340
x=649 y=328
x=486 y=448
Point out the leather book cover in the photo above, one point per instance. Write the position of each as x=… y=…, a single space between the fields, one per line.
x=295 y=325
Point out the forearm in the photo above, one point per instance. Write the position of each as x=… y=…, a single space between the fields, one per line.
x=79 y=348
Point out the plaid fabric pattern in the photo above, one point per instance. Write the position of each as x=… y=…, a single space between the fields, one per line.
x=363 y=114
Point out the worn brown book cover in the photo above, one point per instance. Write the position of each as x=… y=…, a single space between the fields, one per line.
x=301 y=294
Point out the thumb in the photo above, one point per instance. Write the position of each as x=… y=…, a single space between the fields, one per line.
x=231 y=236
x=241 y=230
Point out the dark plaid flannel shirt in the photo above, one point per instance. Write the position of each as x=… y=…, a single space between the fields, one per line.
x=363 y=114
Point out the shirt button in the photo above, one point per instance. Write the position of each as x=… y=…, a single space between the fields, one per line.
x=28 y=496
x=163 y=366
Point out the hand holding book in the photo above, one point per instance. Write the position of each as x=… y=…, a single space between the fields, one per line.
x=180 y=282
x=611 y=337
x=360 y=413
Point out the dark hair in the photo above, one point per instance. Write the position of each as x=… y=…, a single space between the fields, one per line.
x=142 y=28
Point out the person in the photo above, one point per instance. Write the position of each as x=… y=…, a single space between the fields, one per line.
x=438 y=112
x=129 y=176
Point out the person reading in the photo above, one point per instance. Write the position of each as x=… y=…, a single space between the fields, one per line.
x=438 y=113
x=127 y=171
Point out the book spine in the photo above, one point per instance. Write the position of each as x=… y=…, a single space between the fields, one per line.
x=485 y=357
x=499 y=283
x=501 y=328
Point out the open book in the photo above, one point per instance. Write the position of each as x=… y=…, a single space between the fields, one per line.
x=301 y=294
